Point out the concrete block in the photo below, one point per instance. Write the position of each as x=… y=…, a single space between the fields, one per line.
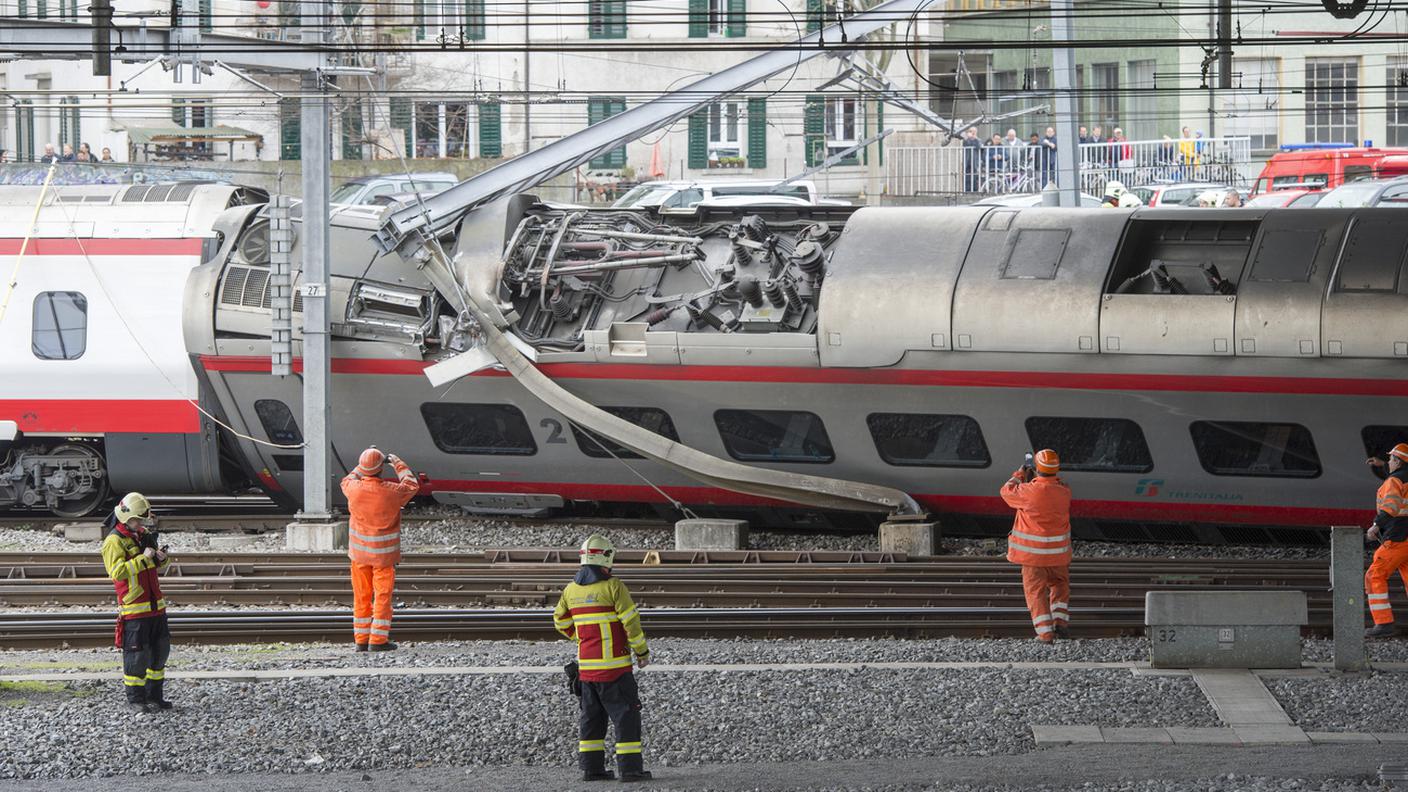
x=83 y=532
x=1270 y=735
x=1231 y=629
x=1347 y=585
x=711 y=535
x=1135 y=735
x=1391 y=737
x=1063 y=735
x=911 y=538
x=232 y=541
x=317 y=537
x=1202 y=735
x=1341 y=737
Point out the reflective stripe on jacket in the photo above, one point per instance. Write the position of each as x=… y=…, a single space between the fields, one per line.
x=1041 y=533
x=603 y=619
x=134 y=577
x=1391 y=504
x=374 y=509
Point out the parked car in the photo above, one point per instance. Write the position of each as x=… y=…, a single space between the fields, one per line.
x=1282 y=198
x=1308 y=200
x=1317 y=166
x=686 y=194
x=1172 y=193
x=1374 y=192
x=1032 y=199
x=367 y=189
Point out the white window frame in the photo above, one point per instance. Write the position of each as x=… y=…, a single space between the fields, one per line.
x=1253 y=106
x=837 y=137
x=1396 y=101
x=442 y=140
x=717 y=17
x=718 y=120
x=1347 y=131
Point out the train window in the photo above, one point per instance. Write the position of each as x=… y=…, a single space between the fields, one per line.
x=1373 y=256
x=928 y=440
x=598 y=447
x=1286 y=256
x=1113 y=445
x=774 y=436
x=278 y=421
x=1036 y=254
x=60 y=325
x=1246 y=448
x=492 y=429
x=1379 y=440
x=288 y=462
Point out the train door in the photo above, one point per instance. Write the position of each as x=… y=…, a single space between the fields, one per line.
x=1366 y=309
x=1278 y=302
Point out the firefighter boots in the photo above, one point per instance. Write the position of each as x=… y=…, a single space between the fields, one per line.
x=632 y=768
x=593 y=765
x=137 y=699
x=154 y=697
x=382 y=647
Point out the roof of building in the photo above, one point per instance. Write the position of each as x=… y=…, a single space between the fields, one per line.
x=172 y=133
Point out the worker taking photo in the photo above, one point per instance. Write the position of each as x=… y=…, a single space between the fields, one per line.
x=134 y=563
x=1040 y=541
x=374 y=543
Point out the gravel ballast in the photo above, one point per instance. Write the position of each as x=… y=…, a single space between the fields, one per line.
x=695 y=717
x=1368 y=702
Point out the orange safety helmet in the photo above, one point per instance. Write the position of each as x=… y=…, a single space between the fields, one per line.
x=369 y=463
x=1047 y=463
x=1400 y=451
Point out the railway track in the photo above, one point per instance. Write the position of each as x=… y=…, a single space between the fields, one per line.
x=506 y=594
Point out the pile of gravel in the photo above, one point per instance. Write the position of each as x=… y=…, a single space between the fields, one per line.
x=734 y=717
x=1322 y=650
x=1368 y=702
x=1223 y=783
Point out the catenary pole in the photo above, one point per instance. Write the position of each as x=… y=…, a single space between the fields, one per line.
x=317 y=349
x=1063 y=67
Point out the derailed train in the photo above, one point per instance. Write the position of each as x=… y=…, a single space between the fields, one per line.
x=1220 y=367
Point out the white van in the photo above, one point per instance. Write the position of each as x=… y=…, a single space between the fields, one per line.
x=688 y=194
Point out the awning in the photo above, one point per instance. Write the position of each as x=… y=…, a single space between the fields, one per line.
x=172 y=133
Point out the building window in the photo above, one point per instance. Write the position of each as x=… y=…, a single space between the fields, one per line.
x=718 y=16
x=1396 y=96
x=24 y=130
x=290 y=129
x=443 y=130
x=60 y=330
x=907 y=439
x=1111 y=445
x=606 y=19
x=1105 y=82
x=449 y=21
x=1240 y=448
x=491 y=429
x=1253 y=106
x=70 y=124
x=1331 y=100
x=774 y=436
x=598 y=447
x=725 y=145
x=1141 y=121
x=1363 y=266
x=600 y=108
x=277 y=420
x=841 y=126
x=958 y=85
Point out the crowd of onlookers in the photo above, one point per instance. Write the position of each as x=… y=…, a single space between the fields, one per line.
x=1004 y=162
x=66 y=154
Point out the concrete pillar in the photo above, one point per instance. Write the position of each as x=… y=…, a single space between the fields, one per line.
x=711 y=535
x=911 y=538
x=316 y=536
x=1347 y=584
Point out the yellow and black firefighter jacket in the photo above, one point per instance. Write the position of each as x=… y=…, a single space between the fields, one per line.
x=596 y=611
x=134 y=576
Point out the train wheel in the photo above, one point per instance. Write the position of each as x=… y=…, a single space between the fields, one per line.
x=81 y=504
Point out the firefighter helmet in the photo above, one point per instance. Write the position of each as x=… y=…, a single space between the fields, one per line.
x=597 y=550
x=1047 y=463
x=133 y=504
x=1114 y=189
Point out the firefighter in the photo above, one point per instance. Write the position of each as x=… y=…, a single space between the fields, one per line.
x=135 y=564
x=597 y=612
x=1117 y=197
x=1040 y=541
x=1390 y=528
x=374 y=543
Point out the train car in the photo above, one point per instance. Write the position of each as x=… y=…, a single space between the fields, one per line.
x=97 y=393
x=1203 y=367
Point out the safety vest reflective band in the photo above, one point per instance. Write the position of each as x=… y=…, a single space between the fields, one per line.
x=135 y=578
x=604 y=621
x=374 y=524
x=141 y=607
x=1041 y=531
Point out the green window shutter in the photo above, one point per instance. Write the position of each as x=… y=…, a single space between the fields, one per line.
x=491 y=135
x=737 y=18
x=699 y=140
x=814 y=15
x=617 y=158
x=75 y=124
x=290 y=129
x=698 y=18
x=879 y=127
x=178 y=111
x=757 y=133
x=814 y=129
x=41 y=9
x=474 y=20
x=350 y=10
x=207 y=16
x=606 y=19
x=598 y=110
x=403 y=119
x=352 y=131
x=63 y=124
x=418 y=21
x=24 y=8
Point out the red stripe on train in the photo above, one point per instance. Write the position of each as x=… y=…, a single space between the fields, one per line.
x=69 y=246
x=1163 y=511
x=885 y=376
x=101 y=416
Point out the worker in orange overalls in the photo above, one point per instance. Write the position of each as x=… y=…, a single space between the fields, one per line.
x=1391 y=529
x=1040 y=541
x=374 y=543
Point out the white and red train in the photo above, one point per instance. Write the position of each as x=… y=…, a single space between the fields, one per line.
x=1193 y=368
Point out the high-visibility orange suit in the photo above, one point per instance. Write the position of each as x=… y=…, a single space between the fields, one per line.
x=1391 y=528
x=1040 y=541
x=374 y=544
